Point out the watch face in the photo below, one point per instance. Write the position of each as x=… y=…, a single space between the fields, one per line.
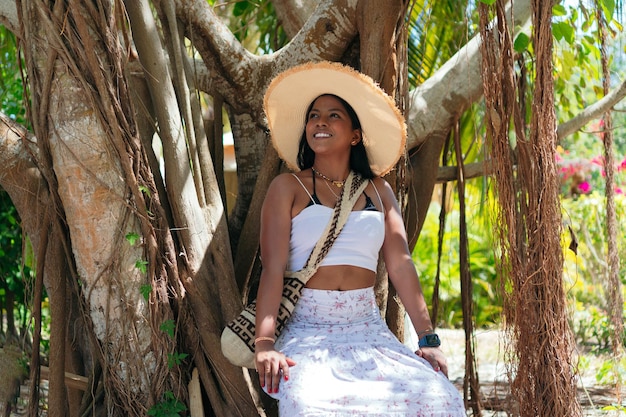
x=430 y=340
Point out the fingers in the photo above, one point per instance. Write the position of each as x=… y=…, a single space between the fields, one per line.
x=276 y=376
x=435 y=358
x=272 y=370
x=444 y=368
x=265 y=377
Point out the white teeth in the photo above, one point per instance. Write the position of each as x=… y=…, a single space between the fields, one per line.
x=321 y=135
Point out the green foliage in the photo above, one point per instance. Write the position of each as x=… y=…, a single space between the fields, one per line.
x=610 y=372
x=578 y=81
x=586 y=270
x=592 y=328
x=168 y=407
x=563 y=31
x=614 y=407
x=141 y=265
x=10 y=244
x=175 y=358
x=487 y=305
x=168 y=327
x=11 y=87
x=254 y=24
x=15 y=271
x=133 y=238
x=145 y=290
x=437 y=30
x=145 y=190
x=521 y=43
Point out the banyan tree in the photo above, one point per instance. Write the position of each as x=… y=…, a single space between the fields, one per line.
x=145 y=250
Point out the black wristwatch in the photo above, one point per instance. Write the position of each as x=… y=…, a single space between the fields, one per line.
x=430 y=340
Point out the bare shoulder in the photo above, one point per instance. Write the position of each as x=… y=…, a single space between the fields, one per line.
x=380 y=183
x=384 y=189
x=282 y=179
x=281 y=185
x=284 y=191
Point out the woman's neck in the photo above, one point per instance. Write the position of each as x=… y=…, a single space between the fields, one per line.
x=330 y=172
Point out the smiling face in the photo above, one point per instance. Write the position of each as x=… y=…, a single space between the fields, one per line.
x=329 y=126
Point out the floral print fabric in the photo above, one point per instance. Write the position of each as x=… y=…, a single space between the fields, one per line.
x=348 y=363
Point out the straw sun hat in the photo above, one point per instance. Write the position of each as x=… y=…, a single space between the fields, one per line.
x=291 y=92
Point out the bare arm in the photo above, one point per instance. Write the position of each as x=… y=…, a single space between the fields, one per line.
x=274 y=240
x=404 y=277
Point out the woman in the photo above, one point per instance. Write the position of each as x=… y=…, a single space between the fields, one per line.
x=336 y=356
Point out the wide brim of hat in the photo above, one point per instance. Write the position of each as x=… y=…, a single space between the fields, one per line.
x=289 y=95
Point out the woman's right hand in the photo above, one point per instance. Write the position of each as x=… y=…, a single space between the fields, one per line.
x=271 y=366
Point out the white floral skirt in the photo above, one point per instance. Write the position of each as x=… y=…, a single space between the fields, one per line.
x=350 y=364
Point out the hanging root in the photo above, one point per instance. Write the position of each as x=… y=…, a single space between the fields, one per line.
x=529 y=220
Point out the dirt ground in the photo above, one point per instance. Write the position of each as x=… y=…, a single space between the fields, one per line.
x=494 y=382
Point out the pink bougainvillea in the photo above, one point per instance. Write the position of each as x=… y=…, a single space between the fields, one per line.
x=584 y=187
x=581 y=176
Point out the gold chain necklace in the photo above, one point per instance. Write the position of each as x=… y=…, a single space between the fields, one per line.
x=331 y=190
x=337 y=183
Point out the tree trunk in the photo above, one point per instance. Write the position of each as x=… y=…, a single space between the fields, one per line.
x=381 y=29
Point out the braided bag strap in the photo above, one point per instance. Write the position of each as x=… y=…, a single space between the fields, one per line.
x=355 y=185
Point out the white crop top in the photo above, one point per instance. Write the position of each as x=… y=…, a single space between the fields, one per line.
x=358 y=244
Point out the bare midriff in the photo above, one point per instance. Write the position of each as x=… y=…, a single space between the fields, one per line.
x=341 y=278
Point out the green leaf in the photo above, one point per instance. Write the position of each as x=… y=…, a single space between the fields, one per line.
x=145 y=290
x=168 y=407
x=142 y=265
x=563 y=31
x=240 y=8
x=559 y=10
x=608 y=8
x=145 y=190
x=569 y=64
x=175 y=358
x=521 y=43
x=132 y=238
x=488 y=2
x=168 y=326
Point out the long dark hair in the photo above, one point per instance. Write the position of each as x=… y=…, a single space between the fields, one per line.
x=358 y=155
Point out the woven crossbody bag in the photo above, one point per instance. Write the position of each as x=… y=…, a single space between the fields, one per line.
x=238 y=336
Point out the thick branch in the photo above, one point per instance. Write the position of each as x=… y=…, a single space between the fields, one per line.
x=292 y=14
x=592 y=112
x=12 y=151
x=472 y=170
x=207 y=28
x=324 y=36
x=19 y=176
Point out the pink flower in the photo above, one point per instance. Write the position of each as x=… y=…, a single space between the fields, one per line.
x=619 y=190
x=584 y=187
x=598 y=160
